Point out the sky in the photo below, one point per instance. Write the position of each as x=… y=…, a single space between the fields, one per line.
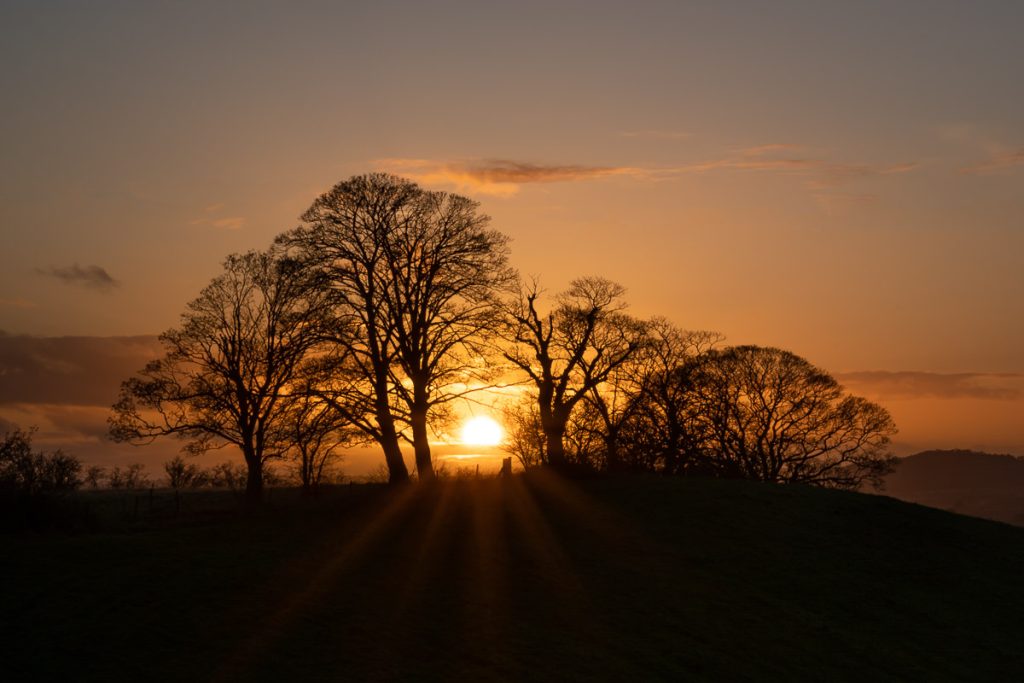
x=844 y=180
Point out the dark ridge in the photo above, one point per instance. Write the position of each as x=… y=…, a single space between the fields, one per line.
x=530 y=578
x=968 y=482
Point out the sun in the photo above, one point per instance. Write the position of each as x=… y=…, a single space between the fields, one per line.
x=481 y=431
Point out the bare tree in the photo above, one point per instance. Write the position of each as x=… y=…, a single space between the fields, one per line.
x=95 y=475
x=446 y=268
x=526 y=441
x=413 y=275
x=131 y=477
x=343 y=240
x=230 y=475
x=524 y=435
x=181 y=474
x=650 y=417
x=226 y=373
x=615 y=402
x=27 y=471
x=569 y=351
x=318 y=433
x=768 y=414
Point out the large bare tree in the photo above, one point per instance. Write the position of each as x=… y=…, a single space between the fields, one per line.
x=225 y=377
x=636 y=392
x=570 y=350
x=414 y=275
x=768 y=414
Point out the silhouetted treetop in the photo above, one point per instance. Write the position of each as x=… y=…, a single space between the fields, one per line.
x=415 y=274
x=226 y=374
x=768 y=414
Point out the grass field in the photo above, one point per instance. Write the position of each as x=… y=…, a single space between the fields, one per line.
x=533 y=578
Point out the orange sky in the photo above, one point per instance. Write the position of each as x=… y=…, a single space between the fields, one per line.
x=842 y=182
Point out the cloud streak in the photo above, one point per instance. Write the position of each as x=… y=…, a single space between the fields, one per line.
x=1002 y=161
x=91 y=277
x=70 y=370
x=504 y=178
x=788 y=158
x=911 y=385
x=500 y=177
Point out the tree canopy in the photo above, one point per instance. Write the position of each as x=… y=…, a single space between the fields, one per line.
x=389 y=303
x=767 y=414
x=414 y=274
x=227 y=369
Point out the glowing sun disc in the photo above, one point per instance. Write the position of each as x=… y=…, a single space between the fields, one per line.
x=481 y=431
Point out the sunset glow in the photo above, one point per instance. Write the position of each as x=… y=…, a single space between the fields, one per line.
x=481 y=431
x=880 y=217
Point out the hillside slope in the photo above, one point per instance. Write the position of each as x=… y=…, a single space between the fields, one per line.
x=529 y=579
x=967 y=482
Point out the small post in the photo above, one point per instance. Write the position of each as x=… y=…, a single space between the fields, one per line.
x=506 y=467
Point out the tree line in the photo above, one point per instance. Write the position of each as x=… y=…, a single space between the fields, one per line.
x=389 y=303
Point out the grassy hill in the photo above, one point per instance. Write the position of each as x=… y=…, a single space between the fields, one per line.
x=531 y=579
x=968 y=482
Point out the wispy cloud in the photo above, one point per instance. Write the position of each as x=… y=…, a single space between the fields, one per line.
x=911 y=384
x=988 y=151
x=1001 y=161
x=500 y=177
x=503 y=177
x=93 y=277
x=789 y=158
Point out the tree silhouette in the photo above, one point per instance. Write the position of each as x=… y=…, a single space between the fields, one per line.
x=767 y=414
x=27 y=471
x=226 y=373
x=615 y=403
x=181 y=474
x=413 y=274
x=652 y=425
x=569 y=351
x=317 y=433
x=582 y=439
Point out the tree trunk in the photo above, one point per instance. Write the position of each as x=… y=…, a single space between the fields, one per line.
x=556 y=448
x=611 y=445
x=398 y=473
x=553 y=423
x=421 y=444
x=253 y=479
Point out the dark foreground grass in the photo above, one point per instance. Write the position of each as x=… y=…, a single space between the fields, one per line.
x=527 y=579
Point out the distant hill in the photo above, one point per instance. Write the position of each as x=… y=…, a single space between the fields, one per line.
x=528 y=579
x=968 y=482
